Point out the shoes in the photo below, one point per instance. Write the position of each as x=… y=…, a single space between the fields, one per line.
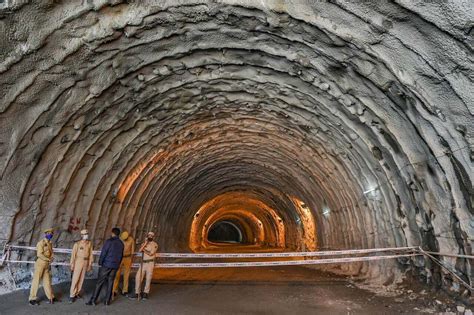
x=107 y=303
x=52 y=301
x=33 y=302
x=72 y=300
x=133 y=297
x=91 y=302
x=125 y=293
x=145 y=296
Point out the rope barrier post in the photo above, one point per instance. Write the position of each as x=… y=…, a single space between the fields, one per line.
x=8 y=253
x=4 y=254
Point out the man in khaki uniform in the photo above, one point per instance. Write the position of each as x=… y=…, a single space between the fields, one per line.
x=44 y=253
x=126 y=264
x=81 y=262
x=149 y=249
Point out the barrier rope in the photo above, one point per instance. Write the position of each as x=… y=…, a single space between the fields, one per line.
x=6 y=258
x=415 y=251
x=250 y=264
x=439 y=263
x=282 y=263
x=247 y=255
x=448 y=254
x=285 y=254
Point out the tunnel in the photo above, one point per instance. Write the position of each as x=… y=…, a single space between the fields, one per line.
x=267 y=125
x=225 y=232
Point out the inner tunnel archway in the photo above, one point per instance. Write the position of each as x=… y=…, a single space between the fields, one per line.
x=314 y=125
x=226 y=232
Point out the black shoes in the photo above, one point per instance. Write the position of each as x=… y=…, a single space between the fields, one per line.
x=143 y=296
x=72 y=300
x=35 y=302
x=91 y=302
x=125 y=293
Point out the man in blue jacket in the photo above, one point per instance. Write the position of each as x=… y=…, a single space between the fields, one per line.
x=109 y=262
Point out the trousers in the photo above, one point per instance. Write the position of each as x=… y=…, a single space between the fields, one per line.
x=106 y=275
x=146 y=271
x=125 y=266
x=78 y=275
x=41 y=272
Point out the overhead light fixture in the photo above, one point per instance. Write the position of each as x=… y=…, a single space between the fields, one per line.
x=370 y=190
x=326 y=211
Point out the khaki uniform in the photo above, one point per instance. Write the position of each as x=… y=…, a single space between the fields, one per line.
x=44 y=253
x=125 y=265
x=148 y=265
x=81 y=262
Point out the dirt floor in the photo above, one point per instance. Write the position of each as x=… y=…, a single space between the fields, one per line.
x=276 y=290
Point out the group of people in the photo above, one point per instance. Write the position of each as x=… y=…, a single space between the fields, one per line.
x=116 y=258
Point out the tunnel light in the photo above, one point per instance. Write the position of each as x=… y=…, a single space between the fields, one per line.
x=370 y=190
x=373 y=194
x=326 y=211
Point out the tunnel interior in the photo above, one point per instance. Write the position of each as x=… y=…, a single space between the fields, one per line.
x=325 y=125
x=226 y=232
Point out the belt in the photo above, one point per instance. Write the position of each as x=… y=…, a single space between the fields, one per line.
x=148 y=260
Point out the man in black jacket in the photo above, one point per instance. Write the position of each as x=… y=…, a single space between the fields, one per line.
x=109 y=262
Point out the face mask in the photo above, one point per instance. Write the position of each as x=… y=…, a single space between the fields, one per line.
x=49 y=236
x=150 y=239
x=85 y=237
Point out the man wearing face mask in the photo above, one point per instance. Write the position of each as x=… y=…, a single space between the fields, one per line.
x=128 y=251
x=81 y=262
x=109 y=261
x=44 y=253
x=149 y=249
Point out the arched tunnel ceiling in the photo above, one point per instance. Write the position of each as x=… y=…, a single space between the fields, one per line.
x=136 y=114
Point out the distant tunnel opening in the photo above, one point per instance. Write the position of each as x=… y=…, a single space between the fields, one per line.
x=225 y=232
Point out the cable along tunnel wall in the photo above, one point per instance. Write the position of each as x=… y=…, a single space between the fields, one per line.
x=341 y=125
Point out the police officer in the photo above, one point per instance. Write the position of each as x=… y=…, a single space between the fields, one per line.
x=44 y=253
x=126 y=264
x=81 y=262
x=149 y=249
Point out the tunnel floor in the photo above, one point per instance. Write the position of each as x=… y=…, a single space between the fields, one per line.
x=279 y=290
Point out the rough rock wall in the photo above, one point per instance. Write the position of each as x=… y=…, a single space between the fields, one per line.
x=136 y=113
